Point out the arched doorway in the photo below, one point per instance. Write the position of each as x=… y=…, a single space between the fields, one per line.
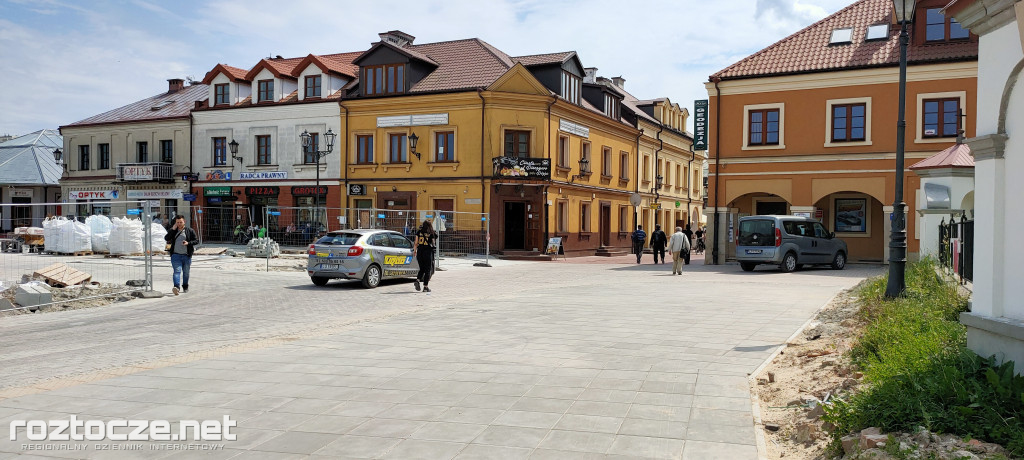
x=760 y=204
x=859 y=220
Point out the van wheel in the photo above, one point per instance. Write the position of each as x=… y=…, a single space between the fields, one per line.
x=372 y=277
x=788 y=263
x=839 y=262
x=747 y=266
x=319 y=280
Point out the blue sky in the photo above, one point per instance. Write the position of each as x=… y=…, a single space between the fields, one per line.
x=67 y=60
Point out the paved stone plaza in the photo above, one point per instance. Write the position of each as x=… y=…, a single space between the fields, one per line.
x=590 y=358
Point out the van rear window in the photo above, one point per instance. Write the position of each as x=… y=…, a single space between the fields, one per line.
x=757 y=233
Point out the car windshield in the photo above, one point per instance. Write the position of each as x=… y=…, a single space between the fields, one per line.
x=340 y=239
x=757 y=232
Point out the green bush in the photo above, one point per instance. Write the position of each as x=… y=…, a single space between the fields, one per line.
x=919 y=372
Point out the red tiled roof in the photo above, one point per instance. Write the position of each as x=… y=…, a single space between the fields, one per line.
x=956 y=156
x=408 y=50
x=281 y=68
x=541 y=59
x=233 y=73
x=341 y=63
x=182 y=102
x=461 y=64
x=809 y=50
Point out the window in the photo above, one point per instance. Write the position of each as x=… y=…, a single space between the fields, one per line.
x=384 y=79
x=444 y=146
x=167 y=151
x=647 y=168
x=220 y=151
x=848 y=122
x=571 y=87
x=611 y=106
x=309 y=153
x=563 y=151
x=396 y=143
x=624 y=166
x=585 y=155
x=364 y=149
x=680 y=174
x=142 y=152
x=83 y=157
x=606 y=161
x=764 y=127
x=624 y=219
x=877 y=32
x=517 y=144
x=563 y=216
x=941 y=117
x=584 y=217
x=313 y=86
x=266 y=91
x=840 y=36
x=941 y=28
x=104 y=151
x=263 y=150
x=221 y=94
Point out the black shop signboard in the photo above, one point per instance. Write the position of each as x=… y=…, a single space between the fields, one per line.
x=260 y=190
x=307 y=190
x=522 y=168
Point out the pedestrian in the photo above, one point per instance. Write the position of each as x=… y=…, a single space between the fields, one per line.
x=678 y=245
x=689 y=239
x=183 y=241
x=639 y=238
x=262 y=231
x=699 y=242
x=426 y=244
x=658 y=242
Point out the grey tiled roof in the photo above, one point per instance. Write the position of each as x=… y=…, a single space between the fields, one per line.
x=28 y=159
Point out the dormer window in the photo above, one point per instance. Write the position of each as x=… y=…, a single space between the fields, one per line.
x=571 y=87
x=221 y=94
x=266 y=91
x=940 y=28
x=313 y=86
x=384 y=79
x=611 y=106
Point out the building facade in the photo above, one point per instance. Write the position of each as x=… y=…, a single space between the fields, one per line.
x=808 y=125
x=30 y=174
x=135 y=153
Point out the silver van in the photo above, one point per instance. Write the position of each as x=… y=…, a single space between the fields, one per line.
x=787 y=241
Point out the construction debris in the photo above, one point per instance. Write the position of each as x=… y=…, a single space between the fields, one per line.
x=61 y=275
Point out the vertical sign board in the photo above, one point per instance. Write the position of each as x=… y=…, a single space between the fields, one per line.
x=700 y=124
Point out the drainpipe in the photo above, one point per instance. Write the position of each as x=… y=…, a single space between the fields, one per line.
x=718 y=164
x=191 y=147
x=483 y=158
x=547 y=209
x=689 y=186
x=636 y=183
x=344 y=163
x=657 y=191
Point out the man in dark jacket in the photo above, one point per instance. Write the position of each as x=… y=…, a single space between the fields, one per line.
x=639 y=238
x=658 y=242
x=689 y=239
x=183 y=241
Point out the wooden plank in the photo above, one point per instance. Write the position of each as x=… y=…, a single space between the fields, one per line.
x=60 y=275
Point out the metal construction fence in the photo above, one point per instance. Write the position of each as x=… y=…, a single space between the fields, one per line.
x=69 y=258
x=956 y=247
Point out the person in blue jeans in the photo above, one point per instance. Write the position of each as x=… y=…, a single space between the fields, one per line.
x=183 y=241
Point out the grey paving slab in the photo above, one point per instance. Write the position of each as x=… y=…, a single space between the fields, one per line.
x=482 y=452
x=701 y=450
x=416 y=449
x=296 y=442
x=647 y=447
x=577 y=441
x=511 y=436
x=358 y=447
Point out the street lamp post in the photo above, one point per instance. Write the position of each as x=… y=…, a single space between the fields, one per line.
x=904 y=11
x=307 y=146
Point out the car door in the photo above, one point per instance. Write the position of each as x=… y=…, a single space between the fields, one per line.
x=826 y=245
x=403 y=248
x=801 y=235
x=383 y=253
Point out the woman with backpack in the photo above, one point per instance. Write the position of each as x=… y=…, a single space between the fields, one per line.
x=426 y=244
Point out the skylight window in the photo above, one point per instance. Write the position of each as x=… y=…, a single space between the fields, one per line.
x=841 y=36
x=161 y=105
x=878 y=32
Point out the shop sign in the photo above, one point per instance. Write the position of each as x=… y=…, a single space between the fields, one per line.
x=189 y=177
x=700 y=124
x=522 y=168
x=427 y=119
x=356 y=189
x=655 y=205
x=143 y=172
x=218 y=175
x=188 y=196
x=164 y=194
x=217 y=191
x=21 y=193
x=259 y=190
x=573 y=128
x=263 y=175
x=92 y=195
x=306 y=190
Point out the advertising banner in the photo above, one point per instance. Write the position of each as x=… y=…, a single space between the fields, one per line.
x=261 y=175
x=92 y=195
x=522 y=168
x=700 y=124
x=164 y=194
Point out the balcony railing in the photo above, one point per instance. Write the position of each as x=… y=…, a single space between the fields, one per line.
x=145 y=172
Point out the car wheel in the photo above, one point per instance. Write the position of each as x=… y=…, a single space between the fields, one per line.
x=319 y=280
x=788 y=263
x=371 y=278
x=747 y=266
x=839 y=262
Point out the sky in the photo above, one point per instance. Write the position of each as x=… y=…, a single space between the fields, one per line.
x=66 y=60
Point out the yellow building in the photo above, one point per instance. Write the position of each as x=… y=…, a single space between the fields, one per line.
x=524 y=139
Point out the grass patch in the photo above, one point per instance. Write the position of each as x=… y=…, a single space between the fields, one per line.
x=919 y=371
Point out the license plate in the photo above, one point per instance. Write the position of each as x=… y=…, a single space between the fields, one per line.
x=330 y=267
x=753 y=251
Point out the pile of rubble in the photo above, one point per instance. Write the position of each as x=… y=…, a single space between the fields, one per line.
x=871 y=443
x=263 y=248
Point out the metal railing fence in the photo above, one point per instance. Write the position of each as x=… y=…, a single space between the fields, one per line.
x=956 y=247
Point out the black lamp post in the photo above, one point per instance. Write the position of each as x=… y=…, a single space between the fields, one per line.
x=413 y=140
x=904 y=11
x=658 y=183
x=584 y=169
x=307 y=146
x=233 y=145
x=57 y=155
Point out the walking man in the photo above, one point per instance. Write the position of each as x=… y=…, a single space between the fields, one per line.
x=183 y=241
x=658 y=242
x=689 y=238
x=678 y=245
x=639 y=237
x=426 y=243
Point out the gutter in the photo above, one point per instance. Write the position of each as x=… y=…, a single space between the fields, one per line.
x=661 y=147
x=637 y=181
x=547 y=208
x=344 y=161
x=483 y=158
x=718 y=164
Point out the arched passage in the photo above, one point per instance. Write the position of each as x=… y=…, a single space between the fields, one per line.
x=858 y=219
x=760 y=204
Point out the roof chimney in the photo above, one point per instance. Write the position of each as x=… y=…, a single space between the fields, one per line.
x=619 y=81
x=175 y=84
x=396 y=37
x=590 y=75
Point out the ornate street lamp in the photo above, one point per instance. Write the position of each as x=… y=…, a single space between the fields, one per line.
x=904 y=13
x=584 y=169
x=233 y=145
x=413 y=140
x=308 y=147
x=57 y=155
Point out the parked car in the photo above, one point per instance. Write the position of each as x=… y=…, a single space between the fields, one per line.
x=364 y=254
x=789 y=242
